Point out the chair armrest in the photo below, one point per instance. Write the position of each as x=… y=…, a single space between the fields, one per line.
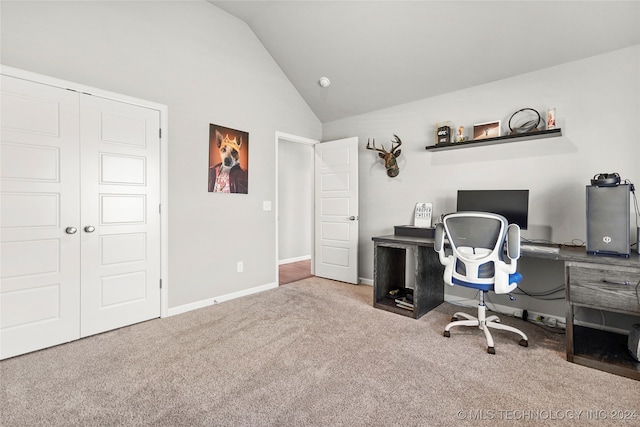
x=445 y=260
x=513 y=241
x=504 y=275
x=439 y=237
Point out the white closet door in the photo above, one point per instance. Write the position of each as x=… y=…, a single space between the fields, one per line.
x=120 y=152
x=40 y=187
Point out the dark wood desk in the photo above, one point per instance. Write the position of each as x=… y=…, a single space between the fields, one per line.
x=599 y=282
x=389 y=269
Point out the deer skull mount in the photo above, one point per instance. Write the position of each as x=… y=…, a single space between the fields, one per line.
x=389 y=157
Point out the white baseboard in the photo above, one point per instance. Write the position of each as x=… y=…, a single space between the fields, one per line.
x=364 y=281
x=216 y=300
x=603 y=328
x=296 y=259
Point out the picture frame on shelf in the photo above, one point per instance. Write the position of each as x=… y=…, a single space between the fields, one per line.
x=486 y=130
x=443 y=134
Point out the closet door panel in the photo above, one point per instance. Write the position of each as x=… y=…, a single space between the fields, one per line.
x=120 y=200
x=39 y=200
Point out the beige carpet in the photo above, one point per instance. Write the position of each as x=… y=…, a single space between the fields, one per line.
x=311 y=353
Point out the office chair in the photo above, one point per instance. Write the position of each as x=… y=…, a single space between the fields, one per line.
x=477 y=241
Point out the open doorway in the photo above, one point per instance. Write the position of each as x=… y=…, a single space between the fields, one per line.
x=294 y=207
x=294 y=271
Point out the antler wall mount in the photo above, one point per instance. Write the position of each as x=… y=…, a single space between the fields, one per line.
x=389 y=157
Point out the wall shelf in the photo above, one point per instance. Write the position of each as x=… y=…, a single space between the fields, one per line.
x=496 y=140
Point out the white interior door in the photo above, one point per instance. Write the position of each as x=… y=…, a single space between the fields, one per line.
x=336 y=211
x=40 y=187
x=120 y=229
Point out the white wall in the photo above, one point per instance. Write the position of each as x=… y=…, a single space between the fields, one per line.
x=208 y=67
x=597 y=103
x=295 y=200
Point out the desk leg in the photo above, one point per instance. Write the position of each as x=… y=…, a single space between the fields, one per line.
x=569 y=316
x=429 y=282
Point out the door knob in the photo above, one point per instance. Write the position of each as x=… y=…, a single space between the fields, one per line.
x=89 y=229
x=353 y=218
x=71 y=230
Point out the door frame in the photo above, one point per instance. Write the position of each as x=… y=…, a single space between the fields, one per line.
x=301 y=140
x=164 y=159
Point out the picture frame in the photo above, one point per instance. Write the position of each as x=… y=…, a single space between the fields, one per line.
x=486 y=130
x=228 y=160
x=443 y=132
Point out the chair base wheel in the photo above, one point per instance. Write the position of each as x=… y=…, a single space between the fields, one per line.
x=491 y=350
x=454 y=319
x=446 y=334
x=524 y=343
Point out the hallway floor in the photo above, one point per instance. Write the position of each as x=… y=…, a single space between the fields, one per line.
x=294 y=271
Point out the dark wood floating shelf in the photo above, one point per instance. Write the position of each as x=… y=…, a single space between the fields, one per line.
x=496 y=140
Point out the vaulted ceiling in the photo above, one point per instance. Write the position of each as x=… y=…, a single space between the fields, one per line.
x=383 y=53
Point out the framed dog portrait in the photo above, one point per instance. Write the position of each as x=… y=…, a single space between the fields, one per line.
x=228 y=160
x=486 y=130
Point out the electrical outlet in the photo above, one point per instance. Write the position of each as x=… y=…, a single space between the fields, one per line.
x=546 y=320
x=240 y=267
x=517 y=313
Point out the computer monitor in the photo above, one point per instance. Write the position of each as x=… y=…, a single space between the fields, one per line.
x=511 y=204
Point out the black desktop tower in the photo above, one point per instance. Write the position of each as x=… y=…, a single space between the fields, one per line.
x=608 y=212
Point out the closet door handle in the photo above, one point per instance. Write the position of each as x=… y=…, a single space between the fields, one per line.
x=71 y=230
x=89 y=229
